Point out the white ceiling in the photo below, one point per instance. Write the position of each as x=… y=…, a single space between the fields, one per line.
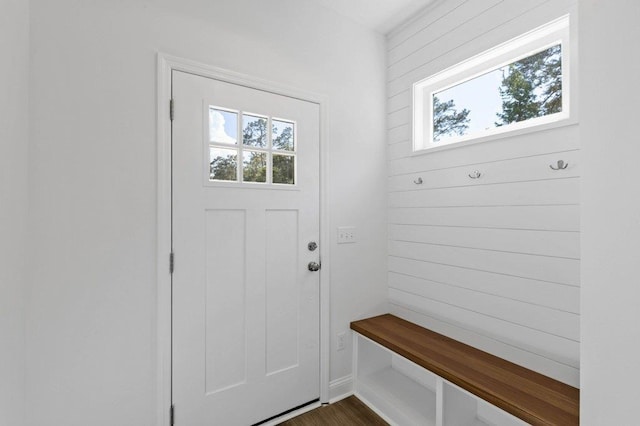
x=379 y=15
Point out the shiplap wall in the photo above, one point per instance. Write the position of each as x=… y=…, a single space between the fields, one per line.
x=495 y=261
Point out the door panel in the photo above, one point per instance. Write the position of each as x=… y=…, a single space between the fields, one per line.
x=225 y=304
x=245 y=206
x=281 y=319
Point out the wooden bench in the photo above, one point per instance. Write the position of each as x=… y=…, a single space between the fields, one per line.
x=527 y=395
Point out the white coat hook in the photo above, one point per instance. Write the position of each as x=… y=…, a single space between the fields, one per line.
x=475 y=175
x=418 y=181
x=561 y=165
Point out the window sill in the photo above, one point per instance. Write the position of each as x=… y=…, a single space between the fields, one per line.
x=566 y=122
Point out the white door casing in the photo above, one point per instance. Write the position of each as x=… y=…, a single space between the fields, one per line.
x=245 y=306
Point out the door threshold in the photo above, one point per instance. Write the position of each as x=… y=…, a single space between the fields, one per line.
x=289 y=414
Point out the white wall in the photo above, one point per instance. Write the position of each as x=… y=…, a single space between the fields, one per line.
x=610 y=89
x=91 y=310
x=14 y=75
x=493 y=262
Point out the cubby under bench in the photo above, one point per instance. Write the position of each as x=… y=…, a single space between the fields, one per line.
x=413 y=376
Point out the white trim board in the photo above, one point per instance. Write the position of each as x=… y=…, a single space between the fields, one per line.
x=340 y=388
x=165 y=65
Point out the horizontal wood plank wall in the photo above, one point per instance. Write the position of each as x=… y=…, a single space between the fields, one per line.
x=493 y=262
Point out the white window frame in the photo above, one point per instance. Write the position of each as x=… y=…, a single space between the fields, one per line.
x=537 y=40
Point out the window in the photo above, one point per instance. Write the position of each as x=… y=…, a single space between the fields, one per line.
x=263 y=157
x=520 y=84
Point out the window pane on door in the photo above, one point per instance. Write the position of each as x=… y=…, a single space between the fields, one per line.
x=254 y=131
x=223 y=126
x=283 y=135
x=254 y=166
x=266 y=153
x=284 y=169
x=223 y=164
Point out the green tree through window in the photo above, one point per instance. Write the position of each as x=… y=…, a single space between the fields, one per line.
x=224 y=167
x=254 y=132
x=531 y=87
x=528 y=88
x=447 y=120
x=284 y=140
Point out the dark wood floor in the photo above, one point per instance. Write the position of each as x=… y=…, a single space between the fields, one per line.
x=347 y=412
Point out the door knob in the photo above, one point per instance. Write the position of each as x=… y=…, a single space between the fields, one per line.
x=313 y=266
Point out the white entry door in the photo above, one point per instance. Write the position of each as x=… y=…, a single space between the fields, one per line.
x=245 y=210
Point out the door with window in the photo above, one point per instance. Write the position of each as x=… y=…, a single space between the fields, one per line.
x=245 y=228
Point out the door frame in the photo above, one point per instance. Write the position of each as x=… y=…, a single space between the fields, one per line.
x=165 y=65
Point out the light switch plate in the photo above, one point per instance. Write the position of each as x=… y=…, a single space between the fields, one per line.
x=346 y=234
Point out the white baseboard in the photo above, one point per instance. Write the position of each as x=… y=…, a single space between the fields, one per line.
x=340 y=388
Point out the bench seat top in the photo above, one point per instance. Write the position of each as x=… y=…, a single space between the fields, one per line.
x=528 y=395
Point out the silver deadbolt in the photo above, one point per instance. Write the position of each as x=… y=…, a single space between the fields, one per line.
x=312 y=246
x=313 y=266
